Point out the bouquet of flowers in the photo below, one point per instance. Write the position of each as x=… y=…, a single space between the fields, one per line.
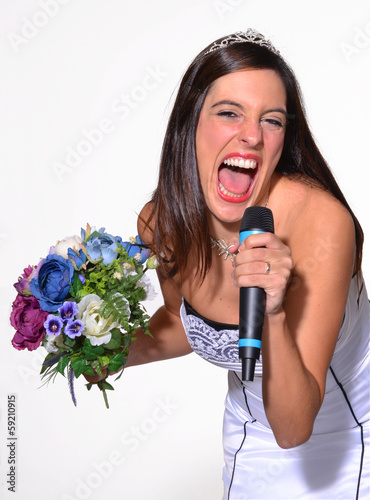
x=83 y=304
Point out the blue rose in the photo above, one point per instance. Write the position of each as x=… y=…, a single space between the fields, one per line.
x=101 y=245
x=53 y=282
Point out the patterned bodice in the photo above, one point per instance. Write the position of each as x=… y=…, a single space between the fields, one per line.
x=213 y=341
x=218 y=342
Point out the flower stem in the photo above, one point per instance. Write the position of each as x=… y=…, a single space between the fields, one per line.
x=105 y=398
x=102 y=388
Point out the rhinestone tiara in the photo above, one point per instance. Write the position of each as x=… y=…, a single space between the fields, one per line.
x=251 y=36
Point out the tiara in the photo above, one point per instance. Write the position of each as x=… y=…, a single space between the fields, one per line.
x=251 y=36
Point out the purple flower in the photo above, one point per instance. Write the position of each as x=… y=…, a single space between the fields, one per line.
x=74 y=329
x=23 y=284
x=53 y=325
x=28 y=319
x=53 y=282
x=68 y=311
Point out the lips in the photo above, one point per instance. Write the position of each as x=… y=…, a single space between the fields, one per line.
x=236 y=177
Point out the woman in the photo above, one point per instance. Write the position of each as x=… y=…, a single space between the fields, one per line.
x=238 y=137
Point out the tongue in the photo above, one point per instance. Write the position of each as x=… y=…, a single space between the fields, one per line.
x=236 y=180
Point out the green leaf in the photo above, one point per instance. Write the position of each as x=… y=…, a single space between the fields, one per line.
x=91 y=353
x=80 y=366
x=62 y=364
x=87 y=343
x=115 y=306
x=49 y=374
x=125 y=341
x=89 y=371
x=48 y=361
x=93 y=235
x=69 y=342
x=103 y=360
x=116 y=362
x=96 y=366
x=76 y=286
x=75 y=356
x=115 y=340
x=120 y=374
x=105 y=385
x=82 y=293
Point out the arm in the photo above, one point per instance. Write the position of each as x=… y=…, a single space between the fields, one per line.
x=302 y=320
x=169 y=338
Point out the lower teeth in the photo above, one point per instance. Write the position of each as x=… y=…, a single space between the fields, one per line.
x=228 y=193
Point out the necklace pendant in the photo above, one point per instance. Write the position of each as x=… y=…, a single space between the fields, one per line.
x=222 y=249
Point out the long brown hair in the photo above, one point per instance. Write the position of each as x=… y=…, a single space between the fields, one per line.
x=179 y=209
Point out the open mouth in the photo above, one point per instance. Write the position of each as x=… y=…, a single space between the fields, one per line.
x=236 y=178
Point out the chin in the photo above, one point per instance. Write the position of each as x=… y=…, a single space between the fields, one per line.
x=230 y=213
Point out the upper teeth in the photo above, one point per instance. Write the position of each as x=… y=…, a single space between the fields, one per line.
x=238 y=162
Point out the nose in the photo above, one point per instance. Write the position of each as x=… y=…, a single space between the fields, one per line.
x=250 y=133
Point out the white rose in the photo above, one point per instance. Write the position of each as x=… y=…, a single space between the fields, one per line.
x=61 y=248
x=53 y=342
x=149 y=289
x=97 y=329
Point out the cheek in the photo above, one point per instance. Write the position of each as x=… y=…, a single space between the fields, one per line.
x=203 y=144
x=274 y=144
x=204 y=137
x=205 y=147
x=211 y=138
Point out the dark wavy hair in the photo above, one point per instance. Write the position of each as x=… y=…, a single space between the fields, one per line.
x=178 y=206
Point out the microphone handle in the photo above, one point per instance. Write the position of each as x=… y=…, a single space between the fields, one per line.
x=252 y=304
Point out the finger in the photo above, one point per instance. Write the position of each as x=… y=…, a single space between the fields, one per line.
x=268 y=240
x=256 y=267
x=233 y=245
x=272 y=283
x=259 y=254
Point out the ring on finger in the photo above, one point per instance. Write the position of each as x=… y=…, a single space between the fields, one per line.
x=268 y=267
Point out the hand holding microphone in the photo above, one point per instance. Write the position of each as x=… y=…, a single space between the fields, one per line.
x=252 y=301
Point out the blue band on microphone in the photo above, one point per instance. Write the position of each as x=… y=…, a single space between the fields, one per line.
x=250 y=343
x=245 y=234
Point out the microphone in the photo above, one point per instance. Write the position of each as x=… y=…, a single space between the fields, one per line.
x=252 y=300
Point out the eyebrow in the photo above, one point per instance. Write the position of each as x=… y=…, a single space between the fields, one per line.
x=238 y=105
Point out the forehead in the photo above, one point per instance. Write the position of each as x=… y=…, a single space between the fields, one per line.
x=246 y=85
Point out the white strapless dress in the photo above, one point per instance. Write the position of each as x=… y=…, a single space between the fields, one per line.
x=335 y=462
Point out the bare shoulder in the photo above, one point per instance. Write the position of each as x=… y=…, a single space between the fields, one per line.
x=145 y=223
x=305 y=209
x=314 y=223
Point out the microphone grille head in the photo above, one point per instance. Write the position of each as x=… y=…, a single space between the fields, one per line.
x=257 y=219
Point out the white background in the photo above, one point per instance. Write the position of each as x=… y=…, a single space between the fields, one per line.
x=66 y=68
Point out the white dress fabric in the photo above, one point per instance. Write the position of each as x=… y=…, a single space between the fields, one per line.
x=335 y=462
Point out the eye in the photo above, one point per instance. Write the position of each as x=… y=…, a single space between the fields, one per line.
x=227 y=114
x=272 y=123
